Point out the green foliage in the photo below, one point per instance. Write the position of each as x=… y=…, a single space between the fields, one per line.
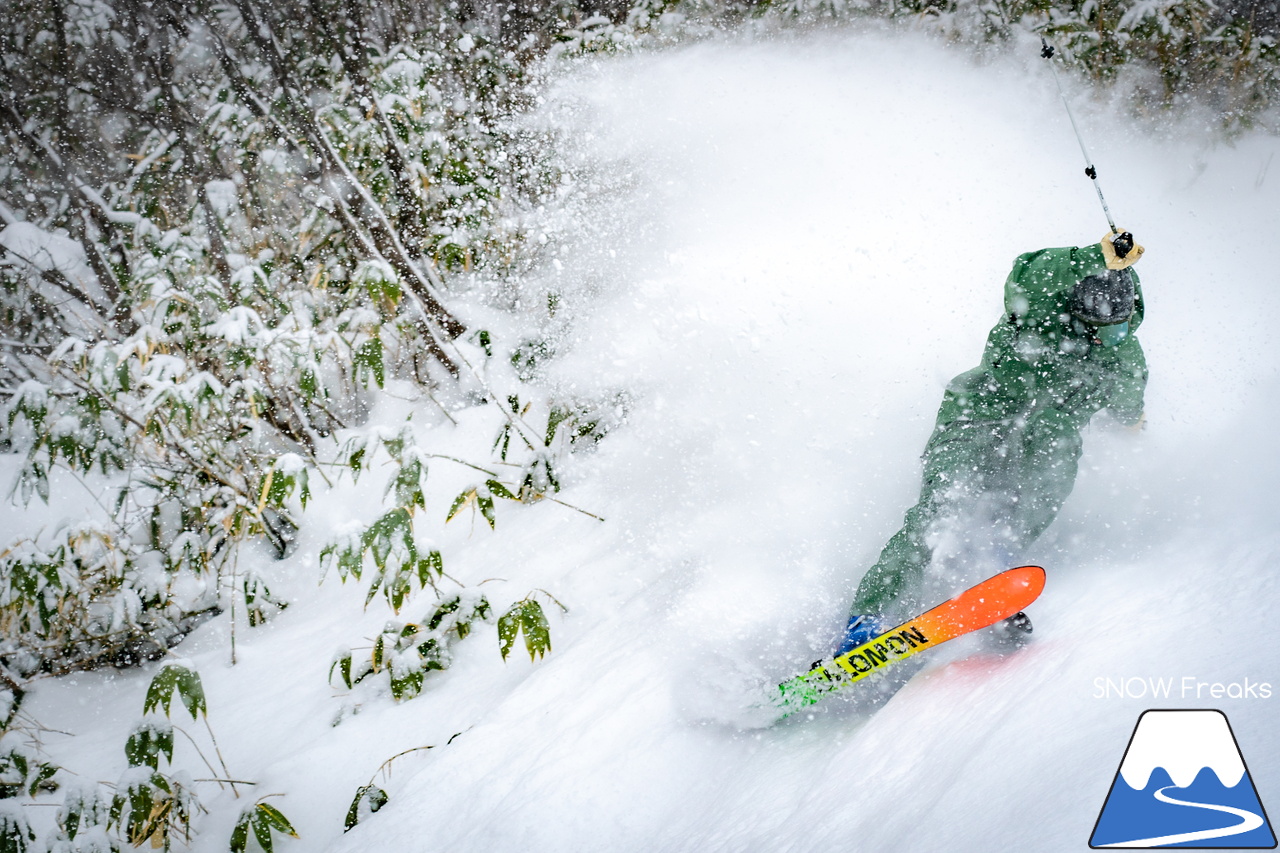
x=367 y=361
x=368 y=800
x=382 y=284
x=11 y=698
x=15 y=833
x=258 y=600
x=82 y=597
x=150 y=807
x=148 y=743
x=407 y=487
x=389 y=544
x=261 y=820
x=176 y=678
x=404 y=653
x=286 y=477
x=584 y=423
x=573 y=425
x=529 y=357
x=256 y=248
x=249 y=264
x=83 y=809
x=481 y=498
x=1156 y=54
x=22 y=773
x=525 y=617
x=393 y=532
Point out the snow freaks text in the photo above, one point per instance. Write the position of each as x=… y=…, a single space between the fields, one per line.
x=1186 y=687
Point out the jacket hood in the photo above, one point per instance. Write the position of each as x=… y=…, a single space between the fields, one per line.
x=1038 y=290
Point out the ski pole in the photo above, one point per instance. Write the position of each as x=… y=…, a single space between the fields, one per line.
x=1122 y=242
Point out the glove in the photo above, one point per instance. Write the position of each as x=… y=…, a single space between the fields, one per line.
x=1139 y=425
x=1113 y=244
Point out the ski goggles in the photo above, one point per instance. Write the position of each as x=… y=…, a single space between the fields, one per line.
x=1111 y=336
x=1107 y=336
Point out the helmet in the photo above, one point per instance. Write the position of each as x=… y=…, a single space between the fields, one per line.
x=1103 y=299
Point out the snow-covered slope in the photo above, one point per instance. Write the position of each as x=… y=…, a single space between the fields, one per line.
x=827 y=225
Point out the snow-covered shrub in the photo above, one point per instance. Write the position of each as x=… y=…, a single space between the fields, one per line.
x=210 y=265
x=396 y=558
x=403 y=653
x=84 y=600
x=152 y=803
x=21 y=770
x=1157 y=54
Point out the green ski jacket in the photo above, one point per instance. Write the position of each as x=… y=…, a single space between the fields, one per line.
x=1040 y=359
x=1005 y=450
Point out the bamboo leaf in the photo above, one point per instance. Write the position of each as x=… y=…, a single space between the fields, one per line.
x=537 y=632
x=261 y=831
x=374 y=796
x=407 y=484
x=503 y=440
x=147 y=743
x=160 y=691
x=240 y=834
x=525 y=617
x=407 y=686
x=382 y=535
x=443 y=611
x=367 y=360
x=500 y=490
x=141 y=802
x=45 y=772
x=276 y=819
x=557 y=417
x=75 y=812
x=374 y=585
x=432 y=563
x=343 y=666
x=458 y=503
x=508 y=629
x=398 y=590
x=191 y=692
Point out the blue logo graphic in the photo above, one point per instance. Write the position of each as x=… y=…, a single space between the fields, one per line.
x=1183 y=783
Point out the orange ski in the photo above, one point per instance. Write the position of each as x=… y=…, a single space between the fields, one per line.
x=978 y=607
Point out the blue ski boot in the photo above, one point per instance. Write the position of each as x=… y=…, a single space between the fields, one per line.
x=862 y=628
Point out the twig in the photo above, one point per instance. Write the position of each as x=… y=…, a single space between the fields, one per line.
x=384 y=764
x=553 y=598
x=199 y=752
x=461 y=462
x=235 y=565
x=9 y=680
x=221 y=760
x=572 y=507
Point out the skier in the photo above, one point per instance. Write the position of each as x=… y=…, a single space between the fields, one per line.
x=1003 y=455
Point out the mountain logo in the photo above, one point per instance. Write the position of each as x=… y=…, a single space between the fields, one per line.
x=1182 y=783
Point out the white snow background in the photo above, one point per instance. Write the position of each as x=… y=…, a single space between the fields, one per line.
x=830 y=219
